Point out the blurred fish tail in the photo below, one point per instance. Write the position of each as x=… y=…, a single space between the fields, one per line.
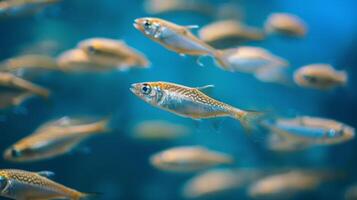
x=343 y=77
x=221 y=60
x=247 y=118
x=103 y=126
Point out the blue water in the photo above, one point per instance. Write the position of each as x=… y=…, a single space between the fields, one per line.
x=117 y=165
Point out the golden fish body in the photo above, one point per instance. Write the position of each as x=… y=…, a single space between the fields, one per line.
x=286 y=24
x=53 y=139
x=188 y=102
x=113 y=52
x=24 y=185
x=77 y=60
x=29 y=62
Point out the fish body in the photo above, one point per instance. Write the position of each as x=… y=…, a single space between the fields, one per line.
x=156 y=130
x=53 y=139
x=285 y=24
x=11 y=8
x=188 y=159
x=313 y=130
x=320 y=76
x=112 y=52
x=77 y=60
x=24 y=185
x=177 y=38
x=164 y=6
x=189 y=102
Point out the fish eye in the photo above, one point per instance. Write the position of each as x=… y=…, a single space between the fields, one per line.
x=333 y=133
x=146 y=89
x=147 y=24
x=3 y=183
x=91 y=49
x=311 y=79
x=15 y=153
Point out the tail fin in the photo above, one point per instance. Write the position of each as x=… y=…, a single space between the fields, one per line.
x=103 y=126
x=88 y=196
x=247 y=118
x=342 y=77
x=221 y=60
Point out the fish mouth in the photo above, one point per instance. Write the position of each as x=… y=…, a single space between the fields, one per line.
x=136 y=24
x=132 y=88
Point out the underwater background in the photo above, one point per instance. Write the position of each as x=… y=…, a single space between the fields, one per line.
x=117 y=165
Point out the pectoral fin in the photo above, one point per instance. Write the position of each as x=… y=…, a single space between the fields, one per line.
x=207 y=89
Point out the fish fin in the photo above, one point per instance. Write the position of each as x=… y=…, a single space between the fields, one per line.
x=343 y=77
x=221 y=60
x=47 y=174
x=88 y=196
x=248 y=119
x=207 y=89
x=182 y=54
x=189 y=27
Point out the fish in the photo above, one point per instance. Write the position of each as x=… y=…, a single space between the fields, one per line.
x=27 y=63
x=25 y=185
x=287 y=184
x=264 y=65
x=54 y=138
x=10 y=99
x=158 y=130
x=281 y=144
x=229 y=33
x=168 y=6
x=320 y=76
x=14 y=8
x=311 y=130
x=217 y=182
x=113 y=53
x=14 y=83
x=76 y=60
x=190 y=102
x=285 y=24
x=186 y=159
x=178 y=39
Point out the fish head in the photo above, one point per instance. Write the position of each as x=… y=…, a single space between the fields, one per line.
x=148 y=91
x=345 y=133
x=151 y=27
x=4 y=182
x=13 y=154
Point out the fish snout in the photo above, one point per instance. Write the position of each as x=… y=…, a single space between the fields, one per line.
x=11 y=153
x=133 y=88
x=138 y=24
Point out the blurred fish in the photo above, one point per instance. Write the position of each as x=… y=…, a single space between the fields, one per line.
x=29 y=65
x=24 y=185
x=229 y=33
x=13 y=90
x=77 y=60
x=320 y=76
x=157 y=130
x=312 y=130
x=190 y=102
x=287 y=184
x=114 y=53
x=351 y=193
x=285 y=24
x=54 y=138
x=216 y=182
x=178 y=39
x=264 y=65
x=165 y=6
x=13 y=8
x=188 y=159
x=281 y=144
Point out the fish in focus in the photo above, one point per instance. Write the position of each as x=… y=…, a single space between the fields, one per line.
x=229 y=33
x=311 y=130
x=167 y=6
x=178 y=39
x=158 y=130
x=25 y=185
x=112 y=52
x=13 y=8
x=187 y=159
x=285 y=24
x=287 y=184
x=190 y=102
x=216 y=182
x=320 y=76
x=54 y=138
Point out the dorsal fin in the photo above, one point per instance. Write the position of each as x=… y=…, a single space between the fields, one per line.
x=47 y=174
x=189 y=27
x=207 y=89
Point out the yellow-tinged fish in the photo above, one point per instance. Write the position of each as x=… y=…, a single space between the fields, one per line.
x=25 y=185
x=112 y=52
x=77 y=60
x=189 y=102
x=12 y=82
x=285 y=24
x=31 y=61
x=54 y=138
x=12 y=8
x=188 y=159
x=164 y=6
x=229 y=33
x=178 y=39
x=216 y=182
x=157 y=130
x=280 y=144
x=320 y=76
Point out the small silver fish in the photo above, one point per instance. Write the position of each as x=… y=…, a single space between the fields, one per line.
x=190 y=102
x=178 y=39
x=24 y=185
x=320 y=76
x=188 y=159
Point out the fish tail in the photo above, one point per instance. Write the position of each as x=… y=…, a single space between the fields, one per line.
x=343 y=77
x=32 y=87
x=87 y=196
x=221 y=60
x=248 y=119
x=103 y=126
